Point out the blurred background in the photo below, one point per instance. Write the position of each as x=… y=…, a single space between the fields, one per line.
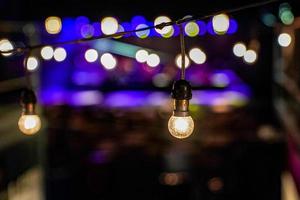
x=105 y=104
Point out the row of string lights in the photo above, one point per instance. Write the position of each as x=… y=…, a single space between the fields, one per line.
x=180 y=124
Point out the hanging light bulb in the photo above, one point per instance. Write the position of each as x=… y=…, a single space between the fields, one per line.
x=29 y=122
x=181 y=124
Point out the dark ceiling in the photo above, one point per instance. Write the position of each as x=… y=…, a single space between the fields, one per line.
x=39 y=9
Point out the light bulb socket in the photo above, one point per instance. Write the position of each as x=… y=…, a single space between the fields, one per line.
x=181 y=93
x=181 y=108
x=181 y=90
x=28 y=101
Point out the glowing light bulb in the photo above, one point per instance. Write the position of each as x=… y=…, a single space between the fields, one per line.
x=53 y=25
x=181 y=124
x=284 y=39
x=6 y=45
x=197 y=55
x=91 y=55
x=109 y=25
x=32 y=63
x=181 y=127
x=29 y=124
x=47 y=52
x=220 y=24
x=239 y=49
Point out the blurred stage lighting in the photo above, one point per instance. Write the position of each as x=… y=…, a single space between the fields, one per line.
x=47 y=52
x=108 y=61
x=60 y=54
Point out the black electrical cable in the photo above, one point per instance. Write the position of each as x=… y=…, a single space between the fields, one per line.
x=158 y=26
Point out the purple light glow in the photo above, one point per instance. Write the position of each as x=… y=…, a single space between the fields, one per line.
x=233 y=26
x=202 y=27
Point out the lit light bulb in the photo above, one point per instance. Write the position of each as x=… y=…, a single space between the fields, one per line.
x=220 y=24
x=181 y=127
x=181 y=124
x=29 y=124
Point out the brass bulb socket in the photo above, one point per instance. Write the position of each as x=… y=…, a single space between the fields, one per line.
x=181 y=108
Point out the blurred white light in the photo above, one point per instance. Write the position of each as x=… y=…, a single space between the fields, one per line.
x=108 y=61
x=220 y=24
x=6 y=45
x=239 y=49
x=250 y=56
x=47 y=52
x=141 y=55
x=191 y=29
x=153 y=60
x=60 y=54
x=197 y=55
x=284 y=39
x=109 y=25
x=91 y=55
x=178 y=61
x=53 y=25
x=142 y=34
x=163 y=19
x=32 y=63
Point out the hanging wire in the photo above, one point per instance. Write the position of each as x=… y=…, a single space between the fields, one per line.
x=158 y=26
x=182 y=47
x=26 y=71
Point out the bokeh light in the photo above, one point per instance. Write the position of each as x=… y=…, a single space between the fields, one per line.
x=197 y=55
x=163 y=19
x=268 y=19
x=239 y=49
x=161 y=80
x=109 y=25
x=170 y=33
x=91 y=55
x=250 y=56
x=220 y=79
x=141 y=55
x=178 y=61
x=285 y=13
x=60 y=54
x=142 y=34
x=284 y=39
x=6 y=45
x=191 y=29
x=87 y=31
x=47 y=52
x=220 y=24
x=153 y=60
x=53 y=25
x=32 y=63
x=108 y=61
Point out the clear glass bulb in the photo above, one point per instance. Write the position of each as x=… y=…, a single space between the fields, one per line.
x=181 y=127
x=29 y=124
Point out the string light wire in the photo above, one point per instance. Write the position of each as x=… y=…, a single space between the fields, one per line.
x=158 y=26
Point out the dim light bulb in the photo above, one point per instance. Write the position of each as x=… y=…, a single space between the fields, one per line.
x=29 y=124
x=181 y=127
